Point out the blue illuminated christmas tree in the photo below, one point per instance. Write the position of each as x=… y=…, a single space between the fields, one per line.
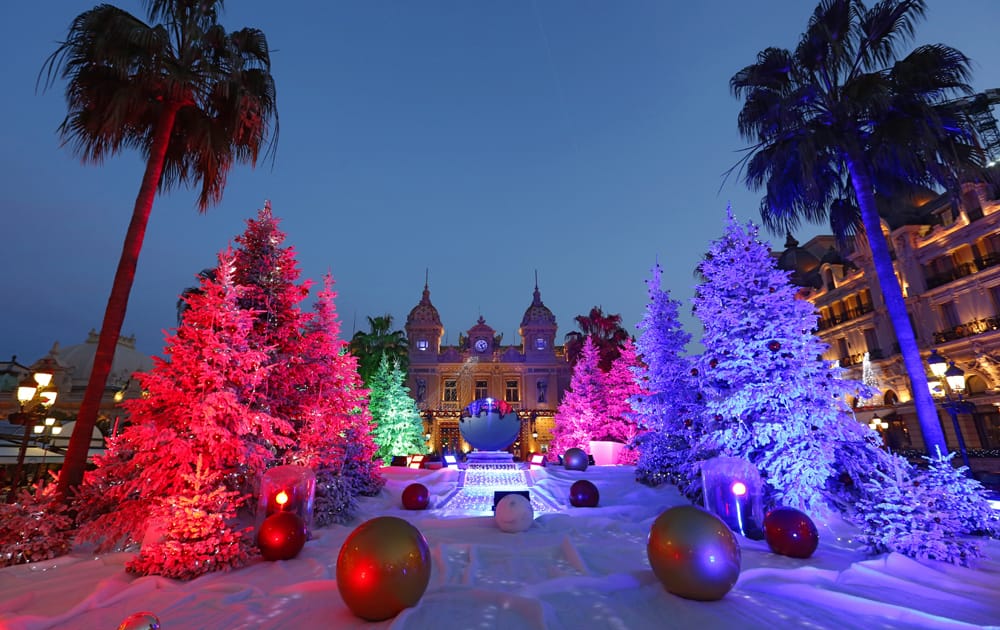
x=769 y=396
x=669 y=410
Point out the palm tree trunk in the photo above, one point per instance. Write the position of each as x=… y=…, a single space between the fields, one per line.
x=927 y=416
x=75 y=462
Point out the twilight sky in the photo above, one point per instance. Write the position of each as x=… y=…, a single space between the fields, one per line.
x=482 y=140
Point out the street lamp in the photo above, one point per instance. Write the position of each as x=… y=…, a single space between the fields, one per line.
x=877 y=423
x=34 y=398
x=952 y=379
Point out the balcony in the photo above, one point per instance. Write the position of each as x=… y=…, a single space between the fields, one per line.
x=846 y=316
x=968 y=329
x=963 y=270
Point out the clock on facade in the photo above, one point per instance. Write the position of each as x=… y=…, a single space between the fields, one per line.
x=481 y=345
x=540 y=343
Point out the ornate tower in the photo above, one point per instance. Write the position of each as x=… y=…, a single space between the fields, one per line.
x=538 y=331
x=424 y=330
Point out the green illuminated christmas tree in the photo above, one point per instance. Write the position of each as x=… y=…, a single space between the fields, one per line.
x=398 y=425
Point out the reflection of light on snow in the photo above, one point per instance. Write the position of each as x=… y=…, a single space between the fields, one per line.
x=995 y=504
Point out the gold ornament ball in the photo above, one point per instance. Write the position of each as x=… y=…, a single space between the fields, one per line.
x=693 y=553
x=384 y=566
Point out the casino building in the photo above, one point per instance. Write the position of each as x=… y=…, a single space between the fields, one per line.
x=530 y=376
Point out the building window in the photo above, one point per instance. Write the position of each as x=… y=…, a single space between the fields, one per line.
x=450 y=390
x=422 y=345
x=995 y=294
x=481 y=390
x=989 y=425
x=512 y=391
x=540 y=343
x=871 y=342
x=949 y=315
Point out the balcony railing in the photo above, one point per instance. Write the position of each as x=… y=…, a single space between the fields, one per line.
x=968 y=329
x=963 y=270
x=846 y=316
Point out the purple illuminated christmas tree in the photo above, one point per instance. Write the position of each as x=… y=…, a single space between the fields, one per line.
x=769 y=397
x=670 y=409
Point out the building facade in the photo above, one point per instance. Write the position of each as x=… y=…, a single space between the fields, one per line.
x=947 y=258
x=530 y=376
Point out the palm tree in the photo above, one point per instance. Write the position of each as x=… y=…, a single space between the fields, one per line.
x=605 y=330
x=187 y=94
x=842 y=120
x=380 y=340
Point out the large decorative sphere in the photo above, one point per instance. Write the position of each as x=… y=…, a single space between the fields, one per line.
x=693 y=553
x=384 y=566
x=575 y=459
x=489 y=425
x=790 y=532
x=281 y=536
x=140 y=621
x=514 y=513
x=416 y=497
x=584 y=494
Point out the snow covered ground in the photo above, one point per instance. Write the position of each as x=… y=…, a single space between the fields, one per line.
x=581 y=568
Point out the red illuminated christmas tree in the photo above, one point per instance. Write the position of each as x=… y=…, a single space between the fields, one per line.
x=204 y=416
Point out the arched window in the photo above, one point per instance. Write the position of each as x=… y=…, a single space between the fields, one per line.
x=975 y=385
x=890 y=398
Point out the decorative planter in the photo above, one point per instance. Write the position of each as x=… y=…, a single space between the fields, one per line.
x=605 y=453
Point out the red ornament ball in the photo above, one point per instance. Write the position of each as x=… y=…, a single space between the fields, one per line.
x=416 y=497
x=281 y=536
x=384 y=566
x=791 y=533
x=774 y=346
x=694 y=371
x=584 y=494
x=713 y=362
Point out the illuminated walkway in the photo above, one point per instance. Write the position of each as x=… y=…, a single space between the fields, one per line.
x=473 y=495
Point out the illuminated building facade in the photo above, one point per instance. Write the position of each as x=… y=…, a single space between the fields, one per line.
x=947 y=258
x=530 y=376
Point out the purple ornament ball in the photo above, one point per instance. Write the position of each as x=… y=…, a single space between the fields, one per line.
x=584 y=494
x=575 y=459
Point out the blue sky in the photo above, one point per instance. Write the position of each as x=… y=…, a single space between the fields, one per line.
x=480 y=140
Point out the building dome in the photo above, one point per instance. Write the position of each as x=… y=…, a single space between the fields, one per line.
x=79 y=360
x=797 y=259
x=538 y=314
x=424 y=313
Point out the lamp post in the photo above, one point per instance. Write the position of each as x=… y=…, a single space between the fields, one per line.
x=34 y=398
x=952 y=380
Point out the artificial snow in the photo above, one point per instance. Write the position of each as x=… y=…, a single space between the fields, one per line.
x=574 y=568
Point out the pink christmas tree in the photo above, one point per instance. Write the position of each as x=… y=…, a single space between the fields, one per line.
x=621 y=387
x=334 y=434
x=204 y=418
x=583 y=407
